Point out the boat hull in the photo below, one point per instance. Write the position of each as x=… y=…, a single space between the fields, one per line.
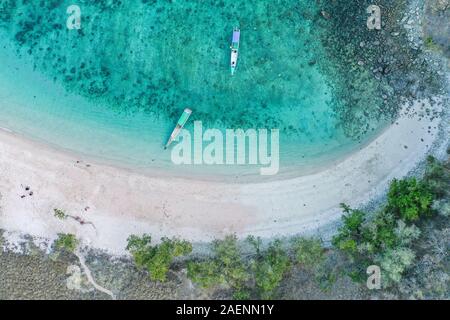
x=180 y=124
x=235 y=50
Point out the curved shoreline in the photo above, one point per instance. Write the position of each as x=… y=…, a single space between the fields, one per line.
x=121 y=202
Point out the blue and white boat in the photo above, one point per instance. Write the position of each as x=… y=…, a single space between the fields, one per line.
x=235 y=50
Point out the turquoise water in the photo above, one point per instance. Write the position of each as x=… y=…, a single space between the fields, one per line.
x=115 y=88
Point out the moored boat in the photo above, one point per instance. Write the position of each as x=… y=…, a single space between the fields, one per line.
x=235 y=49
x=180 y=124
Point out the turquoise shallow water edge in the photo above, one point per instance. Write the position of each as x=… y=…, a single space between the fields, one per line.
x=114 y=89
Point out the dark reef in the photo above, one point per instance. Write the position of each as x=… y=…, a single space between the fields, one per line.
x=375 y=71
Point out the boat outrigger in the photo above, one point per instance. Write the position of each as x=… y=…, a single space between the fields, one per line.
x=180 y=124
x=235 y=49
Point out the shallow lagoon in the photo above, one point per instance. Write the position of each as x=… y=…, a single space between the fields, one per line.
x=115 y=88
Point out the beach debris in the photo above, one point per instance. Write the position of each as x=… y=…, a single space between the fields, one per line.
x=80 y=162
x=60 y=214
x=81 y=221
x=28 y=192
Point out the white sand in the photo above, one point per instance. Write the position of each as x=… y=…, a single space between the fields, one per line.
x=122 y=202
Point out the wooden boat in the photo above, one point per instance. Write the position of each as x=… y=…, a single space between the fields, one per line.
x=180 y=124
x=235 y=49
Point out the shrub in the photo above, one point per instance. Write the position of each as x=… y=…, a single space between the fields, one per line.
x=380 y=233
x=226 y=267
x=60 y=214
x=269 y=268
x=393 y=264
x=442 y=207
x=230 y=262
x=308 y=252
x=405 y=235
x=387 y=237
x=206 y=273
x=430 y=43
x=353 y=219
x=66 y=242
x=349 y=234
x=437 y=178
x=409 y=199
x=156 y=259
x=139 y=247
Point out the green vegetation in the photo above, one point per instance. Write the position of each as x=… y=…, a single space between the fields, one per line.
x=409 y=199
x=386 y=238
x=256 y=274
x=269 y=267
x=430 y=44
x=225 y=268
x=437 y=178
x=407 y=238
x=309 y=253
x=60 y=214
x=66 y=242
x=156 y=259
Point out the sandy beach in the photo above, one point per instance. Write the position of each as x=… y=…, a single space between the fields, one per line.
x=37 y=179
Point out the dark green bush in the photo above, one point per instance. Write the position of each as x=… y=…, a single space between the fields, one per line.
x=156 y=259
x=269 y=267
x=309 y=253
x=66 y=242
x=226 y=267
x=409 y=199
